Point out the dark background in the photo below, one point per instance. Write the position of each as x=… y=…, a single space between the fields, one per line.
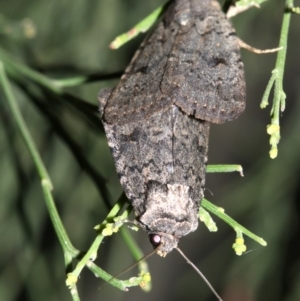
x=72 y=37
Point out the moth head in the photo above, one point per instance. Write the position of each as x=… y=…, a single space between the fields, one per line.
x=163 y=243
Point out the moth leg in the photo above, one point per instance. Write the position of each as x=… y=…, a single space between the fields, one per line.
x=255 y=50
x=103 y=97
x=235 y=10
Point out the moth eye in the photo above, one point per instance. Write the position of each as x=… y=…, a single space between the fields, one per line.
x=155 y=239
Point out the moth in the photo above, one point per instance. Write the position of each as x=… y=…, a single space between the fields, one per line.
x=187 y=73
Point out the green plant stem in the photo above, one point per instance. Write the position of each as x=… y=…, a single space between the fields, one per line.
x=22 y=126
x=224 y=168
x=106 y=277
x=116 y=209
x=134 y=249
x=276 y=79
x=91 y=254
x=280 y=64
x=295 y=10
x=136 y=253
x=131 y=244
x=19 y=71
x=68 y=249
x=120 y=284
x=219 y=213
x=74 y=294
x=71 y=82
x=142 y=26
x=205 y=217
x=16 y=68
x=65 y=242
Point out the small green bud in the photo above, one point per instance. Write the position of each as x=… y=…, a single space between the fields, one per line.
x=273 y=129
x=71 y=279
x=273 y=153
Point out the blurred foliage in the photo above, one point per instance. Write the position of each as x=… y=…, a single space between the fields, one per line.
x=70 y=38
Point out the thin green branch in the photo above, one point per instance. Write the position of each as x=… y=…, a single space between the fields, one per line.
x=265 y=99
x=121 y=285
x=219 y=212
x=74 y=294
x=16 y=68
x=136 y=254
x=89 y=257
x=22 y=126
x=141 y=27
x=224 y=168
x=110 y=225
x=80 y=80
x=205 y=218
x=68 y=249
x=276 y=80
x=293 y=9
x=45 y=179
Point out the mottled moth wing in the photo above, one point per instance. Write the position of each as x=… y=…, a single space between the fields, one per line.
x=204 y=71
x=191 y=59
x=138 y=93
x=168 y=150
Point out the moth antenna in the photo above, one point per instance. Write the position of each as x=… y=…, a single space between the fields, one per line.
x=130 y=267
x=199 y=272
